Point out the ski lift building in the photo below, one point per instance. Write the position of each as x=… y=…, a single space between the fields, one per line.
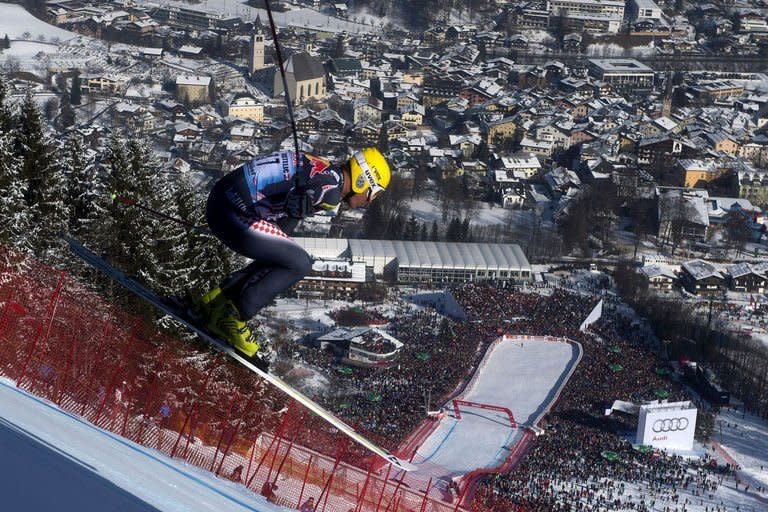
x=412 y=262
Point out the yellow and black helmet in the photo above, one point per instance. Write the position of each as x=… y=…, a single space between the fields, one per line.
x=369 y=171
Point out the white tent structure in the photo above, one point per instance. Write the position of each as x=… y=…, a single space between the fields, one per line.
x=428 y=262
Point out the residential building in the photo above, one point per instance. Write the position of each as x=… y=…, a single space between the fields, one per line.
x=194 y=19
x=743 y=277
x=658 y=156
x=682 y=215
x=521 y=165
x=568 y=8
x=658 y=277
x=701 y=278
x=500 y=131
x=692 y=171
x=438 y=90
x=644 y=9
x=193 y=90
x=245 y=106
x=367 y=110
x=707 y=92
x=753 y=185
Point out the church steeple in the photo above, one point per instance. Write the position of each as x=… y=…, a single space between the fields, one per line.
x=256 y=52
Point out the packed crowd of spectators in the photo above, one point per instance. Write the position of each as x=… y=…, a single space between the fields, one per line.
x=567 y=468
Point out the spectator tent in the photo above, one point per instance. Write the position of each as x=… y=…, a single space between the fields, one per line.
x=428 y=262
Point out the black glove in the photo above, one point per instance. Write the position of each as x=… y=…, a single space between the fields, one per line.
x=299 y=205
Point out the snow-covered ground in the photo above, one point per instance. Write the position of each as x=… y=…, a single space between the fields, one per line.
x=17 y=23
x=302 y=17
x=36 y=45
x=739 y=435
x=52 y=460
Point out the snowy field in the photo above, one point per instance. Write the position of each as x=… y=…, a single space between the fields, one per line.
x=745 y=439
x=303 y=17
x=52 y=460
x=17 y=23
x=35 y=43
x=521 y=375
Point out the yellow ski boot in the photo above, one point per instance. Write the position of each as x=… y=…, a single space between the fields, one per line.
x=205 y=304
x=224 y=321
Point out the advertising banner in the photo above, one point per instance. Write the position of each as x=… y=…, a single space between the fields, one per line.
x=669 y=425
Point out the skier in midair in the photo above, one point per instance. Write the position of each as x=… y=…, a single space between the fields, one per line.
x=255 y=208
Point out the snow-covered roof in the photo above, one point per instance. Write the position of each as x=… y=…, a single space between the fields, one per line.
x=739 y=269
x=193 y=80
x=700 y=269
x=654 y=271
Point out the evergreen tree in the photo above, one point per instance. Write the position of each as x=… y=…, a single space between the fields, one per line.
x=13 y=207
x=49 y=214
x=453 y=234
x=82 y=187
x=120 y=226
x=7 y=118
x=465 y=236
x=374 y=222
x=433 y=233
x=6 y=42
x=42 y=179
x=75 y=96
x=411 y=229
x=203 y=261
x=66 y=112
x=423 y=234
x=34 y=148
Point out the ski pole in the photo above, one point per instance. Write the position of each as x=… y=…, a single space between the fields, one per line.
x=156 y=213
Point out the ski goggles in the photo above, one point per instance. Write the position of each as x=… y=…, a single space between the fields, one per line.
x=374 y=189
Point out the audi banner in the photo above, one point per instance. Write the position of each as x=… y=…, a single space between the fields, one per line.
x=667 y=425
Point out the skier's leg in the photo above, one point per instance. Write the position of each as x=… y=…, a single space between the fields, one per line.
x=279 y=262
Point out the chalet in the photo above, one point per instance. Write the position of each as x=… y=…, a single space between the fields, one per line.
x=243 y=132
x=540 y=148
x=467 y=144
x=743 y=277
x=572 y=43
x=701 y=278
x=721 y=142
x=683 y=214
x=367 y=110
x=191 y=52
x=520 y=165
x=346 y=67
x=365 y=134
x=330 y=122
x=413 y=118
x=659 y=278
